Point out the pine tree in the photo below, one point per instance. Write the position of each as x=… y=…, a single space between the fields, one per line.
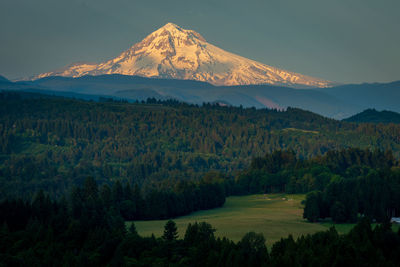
x=170 y=231
x=132 y=229
x=311 y=209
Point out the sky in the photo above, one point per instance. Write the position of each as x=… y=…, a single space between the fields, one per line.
x=346 y=41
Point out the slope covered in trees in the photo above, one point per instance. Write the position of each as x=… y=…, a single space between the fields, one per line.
x=164 y=159
x=45 y=232
x=53 y=143
x=374 y=194
x=374 y=116
x=342 y=185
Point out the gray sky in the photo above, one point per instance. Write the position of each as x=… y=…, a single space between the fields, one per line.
x=339 y=40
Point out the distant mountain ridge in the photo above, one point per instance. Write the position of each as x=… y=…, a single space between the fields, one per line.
x=175 y=53
x=337 y=102
x=4 y=79
x=374 y=116
x=380 y=96
x=140 y=88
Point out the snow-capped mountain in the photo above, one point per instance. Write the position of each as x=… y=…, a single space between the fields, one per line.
x=176 y=53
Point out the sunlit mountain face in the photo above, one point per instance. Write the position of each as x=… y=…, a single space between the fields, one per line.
x=175 y=53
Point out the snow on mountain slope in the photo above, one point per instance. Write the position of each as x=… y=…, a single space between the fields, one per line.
x=176 y=53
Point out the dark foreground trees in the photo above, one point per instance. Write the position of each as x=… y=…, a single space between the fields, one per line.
x=46 y=233
x=170 y=231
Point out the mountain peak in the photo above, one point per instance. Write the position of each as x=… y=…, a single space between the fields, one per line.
x=176 y=53
x=171 y=26
x=174 y=31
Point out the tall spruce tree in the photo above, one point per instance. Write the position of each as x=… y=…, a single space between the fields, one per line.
x=170 y=231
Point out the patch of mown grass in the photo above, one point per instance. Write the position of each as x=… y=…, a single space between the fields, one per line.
x=274 y=215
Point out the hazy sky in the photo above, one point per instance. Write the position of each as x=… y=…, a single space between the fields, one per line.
x=339 y=40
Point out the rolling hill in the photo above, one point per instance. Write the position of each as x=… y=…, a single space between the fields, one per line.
x=140 y=88
x=374 y=116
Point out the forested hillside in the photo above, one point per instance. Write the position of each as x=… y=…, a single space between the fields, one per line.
x=374 y=116
x=341 y=185
x=98 y=164
x=53 y=143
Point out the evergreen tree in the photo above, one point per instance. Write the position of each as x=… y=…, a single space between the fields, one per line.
x=132 y=229
x=338 y=212
x=253 y=249
x=170 y=231
x=312 y=206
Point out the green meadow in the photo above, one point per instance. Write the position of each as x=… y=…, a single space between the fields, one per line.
x=274 y=215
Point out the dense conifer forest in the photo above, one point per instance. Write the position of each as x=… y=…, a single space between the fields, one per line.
x=342 y=185
x=53 y=143
x=72 y=172
x=46 y=232
x=374 y=116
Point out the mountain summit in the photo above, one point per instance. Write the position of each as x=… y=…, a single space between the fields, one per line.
x=175 y=53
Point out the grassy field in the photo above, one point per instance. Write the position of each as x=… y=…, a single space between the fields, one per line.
x=275 y=216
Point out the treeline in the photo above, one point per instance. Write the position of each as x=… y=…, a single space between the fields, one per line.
x=54 y=143
x=132 y=204
x=284 y=171
x=375 y=195
x=49 y=233
x=345 y=184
